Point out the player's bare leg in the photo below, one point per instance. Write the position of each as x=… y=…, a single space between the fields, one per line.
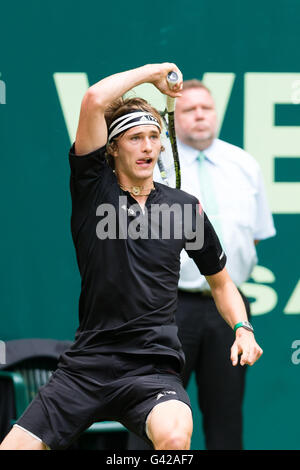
x=18 y=439
x=170 y=426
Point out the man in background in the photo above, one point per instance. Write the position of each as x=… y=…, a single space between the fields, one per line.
x=229 y=185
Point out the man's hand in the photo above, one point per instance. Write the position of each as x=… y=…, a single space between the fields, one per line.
x=159 y=78
x=245 y=345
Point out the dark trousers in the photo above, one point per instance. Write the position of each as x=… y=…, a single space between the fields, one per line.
x=206 y=340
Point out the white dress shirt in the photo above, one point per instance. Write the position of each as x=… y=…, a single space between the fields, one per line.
x=243 y=211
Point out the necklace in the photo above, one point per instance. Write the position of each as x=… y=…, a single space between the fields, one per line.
x=136 y=190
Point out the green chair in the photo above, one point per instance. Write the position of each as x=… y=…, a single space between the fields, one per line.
x=28 y=375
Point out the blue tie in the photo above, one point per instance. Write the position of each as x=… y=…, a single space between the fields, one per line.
x=209 y=199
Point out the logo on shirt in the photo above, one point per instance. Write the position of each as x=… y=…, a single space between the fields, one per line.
x=163 y=394
x=129 y=211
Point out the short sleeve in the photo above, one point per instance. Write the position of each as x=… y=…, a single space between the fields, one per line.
x=210 y=257
x=87 y=174
x=87 y=167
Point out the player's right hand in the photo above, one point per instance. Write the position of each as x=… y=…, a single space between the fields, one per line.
x=160 y=79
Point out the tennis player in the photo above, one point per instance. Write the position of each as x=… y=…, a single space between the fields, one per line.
x=125 y=362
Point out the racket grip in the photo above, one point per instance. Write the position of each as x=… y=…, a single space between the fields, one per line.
x=170 y=104
x=172 y=79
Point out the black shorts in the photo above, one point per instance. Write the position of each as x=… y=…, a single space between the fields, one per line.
x=110 y=388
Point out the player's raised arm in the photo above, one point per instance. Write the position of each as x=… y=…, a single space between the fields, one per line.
x=92 y=129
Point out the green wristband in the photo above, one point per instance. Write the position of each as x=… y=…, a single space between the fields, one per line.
x=244 y=324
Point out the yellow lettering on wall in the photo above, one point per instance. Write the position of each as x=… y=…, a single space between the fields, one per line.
x=293 y=305
x=265 y=296
x=264 y=140
x=71 y=88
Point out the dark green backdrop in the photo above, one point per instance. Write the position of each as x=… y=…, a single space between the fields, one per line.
x=39 y=277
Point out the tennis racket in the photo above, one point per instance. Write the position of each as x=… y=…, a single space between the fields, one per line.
x=172 y=79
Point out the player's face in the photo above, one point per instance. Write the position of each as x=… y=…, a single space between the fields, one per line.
x=137 y=152
x=196 y=118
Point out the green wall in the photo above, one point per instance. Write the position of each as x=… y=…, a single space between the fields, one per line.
x=248 y=53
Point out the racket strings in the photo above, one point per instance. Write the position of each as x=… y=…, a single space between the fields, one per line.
x=170 y=134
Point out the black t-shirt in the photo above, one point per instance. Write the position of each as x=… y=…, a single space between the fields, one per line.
x=129 y=285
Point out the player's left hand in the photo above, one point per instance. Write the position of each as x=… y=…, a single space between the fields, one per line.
x=245 y=345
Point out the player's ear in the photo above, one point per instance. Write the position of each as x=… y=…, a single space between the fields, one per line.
x=162 y=148
x=112 y=149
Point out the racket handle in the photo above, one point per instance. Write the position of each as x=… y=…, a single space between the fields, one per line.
x=172 y=79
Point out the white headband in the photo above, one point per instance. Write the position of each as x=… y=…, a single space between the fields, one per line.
x=136 y=118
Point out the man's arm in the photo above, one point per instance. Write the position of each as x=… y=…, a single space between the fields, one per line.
x=92 y=129
x=231 y=307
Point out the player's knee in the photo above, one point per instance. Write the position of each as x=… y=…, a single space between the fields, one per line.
x=18 y=439
x=175 y=440
x=23 y=445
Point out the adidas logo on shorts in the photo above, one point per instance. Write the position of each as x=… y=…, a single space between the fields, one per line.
x=163 y=394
